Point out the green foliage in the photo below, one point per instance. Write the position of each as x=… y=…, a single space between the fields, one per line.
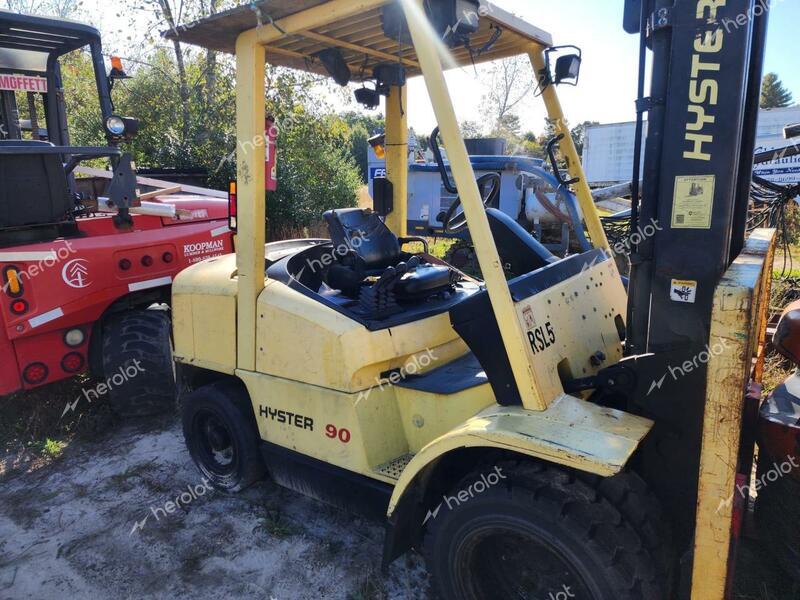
x=773 y=93
x=362 y=127
x=315 y=169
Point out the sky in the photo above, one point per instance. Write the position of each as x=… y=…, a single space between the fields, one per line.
x=607 y=89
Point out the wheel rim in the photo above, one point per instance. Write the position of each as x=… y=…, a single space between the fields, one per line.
x=216 y=444
x=500 y=561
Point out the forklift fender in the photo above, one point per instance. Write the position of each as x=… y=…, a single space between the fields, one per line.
x=571 y=432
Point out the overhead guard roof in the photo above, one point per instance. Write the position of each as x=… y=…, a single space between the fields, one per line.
x=360 y=37
x=26 y=40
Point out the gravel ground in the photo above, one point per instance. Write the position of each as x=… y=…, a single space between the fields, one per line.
x=96 y=523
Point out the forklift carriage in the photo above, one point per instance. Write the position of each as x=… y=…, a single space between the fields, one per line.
x=520 y=432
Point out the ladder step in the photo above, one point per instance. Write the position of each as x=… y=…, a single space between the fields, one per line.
x=394 y=468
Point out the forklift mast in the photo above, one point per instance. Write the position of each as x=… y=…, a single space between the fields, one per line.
x=707 y=62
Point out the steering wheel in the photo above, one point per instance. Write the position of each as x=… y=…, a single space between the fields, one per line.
x=455 y=221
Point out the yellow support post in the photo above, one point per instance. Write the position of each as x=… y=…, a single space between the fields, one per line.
x=570 y=152
x=397 y=158
x=250 y=156
x=514 y=339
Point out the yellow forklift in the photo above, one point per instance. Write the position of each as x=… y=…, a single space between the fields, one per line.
x=539 y=433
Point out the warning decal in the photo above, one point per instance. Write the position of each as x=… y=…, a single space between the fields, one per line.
x=693 y=202
x=683 y=291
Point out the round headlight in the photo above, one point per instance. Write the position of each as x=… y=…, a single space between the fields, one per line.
x=115 y=125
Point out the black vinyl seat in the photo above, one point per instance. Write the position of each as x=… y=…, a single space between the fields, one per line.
x=365 y=248
x=33 y=187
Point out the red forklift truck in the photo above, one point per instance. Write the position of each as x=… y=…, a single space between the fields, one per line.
x=85 y=280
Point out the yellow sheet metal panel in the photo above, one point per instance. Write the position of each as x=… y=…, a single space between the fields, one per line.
x=571 y=322
x=304 y=340
x=570 y=153
x=737 y=320
x=182 y=327
x=570 y=432
x=204 y=314
x=397 y=158
x=514 y=339
x=250 y=177
x=426 y=417
x=299 y=416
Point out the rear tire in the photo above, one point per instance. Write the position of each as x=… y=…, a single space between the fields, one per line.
x=537 y=533
x=222 y=437
x=137 y=351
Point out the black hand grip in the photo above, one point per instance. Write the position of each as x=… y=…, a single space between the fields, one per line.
x=551 y=153
x=437 y=154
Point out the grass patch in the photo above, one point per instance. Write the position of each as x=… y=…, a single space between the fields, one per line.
x=274 y=523
x=35 y=429
x=52 y=448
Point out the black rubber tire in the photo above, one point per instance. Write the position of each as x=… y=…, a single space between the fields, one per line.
x=629 y=494
x=568 y=538
x=140 y=341
x=227 y=406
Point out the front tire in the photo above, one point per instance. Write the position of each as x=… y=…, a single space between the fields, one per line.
x=137 y=351
x=222 y=437
x=537 y=533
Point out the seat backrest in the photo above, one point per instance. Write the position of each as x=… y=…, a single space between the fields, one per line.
x=516 y=246
x=787 y=334
x=33 y=187
x=363 y=232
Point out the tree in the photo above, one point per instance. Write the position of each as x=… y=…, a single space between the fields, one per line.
x=55 y=8
x=362 y=127
x=471 y=129
x=773 y=93
x=509 y=82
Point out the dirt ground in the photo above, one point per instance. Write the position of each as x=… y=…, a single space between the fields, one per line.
x=118 y=510
x=69 y=529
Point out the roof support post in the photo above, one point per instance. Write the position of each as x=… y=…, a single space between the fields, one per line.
x=570 y=152
x=250 y=177
x=397 y=158
x=514 y=339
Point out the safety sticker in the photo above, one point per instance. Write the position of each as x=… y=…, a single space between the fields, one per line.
x=683 y=291
x=693 y=203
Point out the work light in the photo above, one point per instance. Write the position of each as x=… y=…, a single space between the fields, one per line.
x=115 y=125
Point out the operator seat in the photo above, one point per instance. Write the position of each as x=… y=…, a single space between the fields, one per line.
x=365 y=248
x=34 y=189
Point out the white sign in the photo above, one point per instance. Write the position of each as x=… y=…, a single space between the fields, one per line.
x=23 y=83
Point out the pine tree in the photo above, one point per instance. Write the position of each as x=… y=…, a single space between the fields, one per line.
x=773 y=94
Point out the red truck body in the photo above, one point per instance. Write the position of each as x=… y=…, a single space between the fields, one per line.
x=71 y=284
